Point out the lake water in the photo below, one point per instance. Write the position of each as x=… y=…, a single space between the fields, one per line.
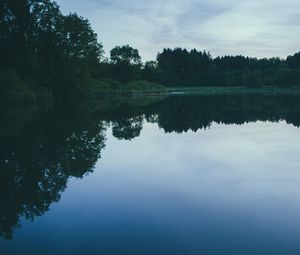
x=156 y=175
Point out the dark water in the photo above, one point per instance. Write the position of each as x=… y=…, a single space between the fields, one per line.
x=175 y=175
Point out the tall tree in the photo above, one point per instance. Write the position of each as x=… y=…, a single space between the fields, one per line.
x=79 y=39
x=127 y=63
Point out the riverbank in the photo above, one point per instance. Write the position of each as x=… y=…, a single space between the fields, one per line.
x=268 y=90
x=113 y=87
x=16 y=91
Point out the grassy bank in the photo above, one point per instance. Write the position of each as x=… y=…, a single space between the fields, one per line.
x=14 y=90
x=114 y=87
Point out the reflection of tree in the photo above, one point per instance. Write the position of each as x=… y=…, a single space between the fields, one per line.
x=36 y=165
x=38 y=157
x=181 y=114
x=127 y=128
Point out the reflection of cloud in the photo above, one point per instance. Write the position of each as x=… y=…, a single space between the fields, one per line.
x=258 y=28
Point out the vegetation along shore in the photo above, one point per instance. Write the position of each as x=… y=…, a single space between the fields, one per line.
x=46 y=56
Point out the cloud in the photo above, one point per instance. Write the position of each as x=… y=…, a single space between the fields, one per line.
x=261 y=28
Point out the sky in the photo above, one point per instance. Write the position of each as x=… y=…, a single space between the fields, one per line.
x=256 y=28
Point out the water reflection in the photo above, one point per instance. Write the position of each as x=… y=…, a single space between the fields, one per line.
x=41 y=151
x=37 y=161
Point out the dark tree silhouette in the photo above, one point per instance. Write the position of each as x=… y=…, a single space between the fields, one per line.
x=45 y=54
x=127 y=63
x=37 y=163
x=127 y=128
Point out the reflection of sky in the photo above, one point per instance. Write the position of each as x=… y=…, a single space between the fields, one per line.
x=260 y=28
x=227 y=190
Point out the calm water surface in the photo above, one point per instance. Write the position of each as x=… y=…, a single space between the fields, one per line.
x=176 y=175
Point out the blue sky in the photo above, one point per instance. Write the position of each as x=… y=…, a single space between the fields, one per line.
x=258 y=28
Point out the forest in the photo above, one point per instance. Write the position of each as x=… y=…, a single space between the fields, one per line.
x=48 y=56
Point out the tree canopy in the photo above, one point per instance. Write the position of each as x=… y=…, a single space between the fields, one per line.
x=126 y=61
x=40 y=44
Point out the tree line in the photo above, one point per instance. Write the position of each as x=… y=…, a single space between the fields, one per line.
x=179 y=67
x=44 y=53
